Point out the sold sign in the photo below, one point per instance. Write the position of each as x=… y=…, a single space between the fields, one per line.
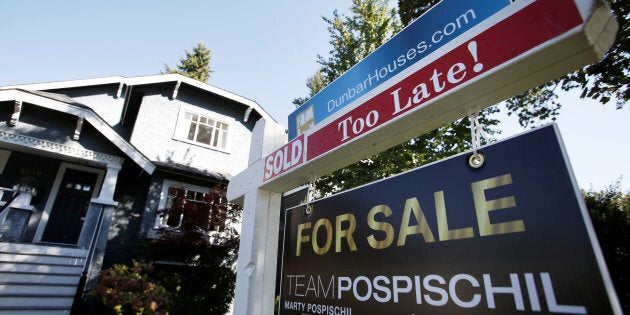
x=499 y=44
x=287 y=157
x=523 y=45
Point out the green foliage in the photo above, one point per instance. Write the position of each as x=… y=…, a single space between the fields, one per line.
x=610 y=214
x=207 y=289
x=195 y=274
x=353 y=37
x=201 y=253
x=130 y=290
x=412 y=9
x=194 y=65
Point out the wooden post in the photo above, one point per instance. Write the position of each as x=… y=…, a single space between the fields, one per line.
x=257 y=255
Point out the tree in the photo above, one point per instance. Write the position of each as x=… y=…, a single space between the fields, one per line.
x=610 y=214
x=352 y=38
x=197 y=251
x=603 y=81
x=201 y=244
x=195 y=65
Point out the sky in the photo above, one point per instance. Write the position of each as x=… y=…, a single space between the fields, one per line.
x=261 y=49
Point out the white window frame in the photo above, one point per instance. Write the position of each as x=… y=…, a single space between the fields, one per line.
x=161 y=222
x=183 y=125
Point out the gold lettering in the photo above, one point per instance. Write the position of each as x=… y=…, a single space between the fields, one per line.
x=483 y=207
x=422 y=227
x=345 y=233
x=443 y=231
x=329 y=230
x=302 y=238
x=380 y=226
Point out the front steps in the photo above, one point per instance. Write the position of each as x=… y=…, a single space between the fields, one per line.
x=39 y=279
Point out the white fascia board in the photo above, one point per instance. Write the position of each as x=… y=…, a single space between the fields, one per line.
x=144 y=80
x=99 y=124
x=65 y=84
x=200 y=85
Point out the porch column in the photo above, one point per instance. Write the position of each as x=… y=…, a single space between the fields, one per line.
x=109 y=183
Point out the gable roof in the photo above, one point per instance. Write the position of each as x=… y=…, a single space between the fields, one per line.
x=146 y=80
x=65 y=104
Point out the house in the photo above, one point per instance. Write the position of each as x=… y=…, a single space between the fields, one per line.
x=85 y=166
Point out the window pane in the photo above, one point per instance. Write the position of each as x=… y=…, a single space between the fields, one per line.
x=190 y=195
x=223 y=140
x=169 y=202
x=203 y=120
x=192 y=131
x=205 y=134
x=187 y=115
x=195 y=118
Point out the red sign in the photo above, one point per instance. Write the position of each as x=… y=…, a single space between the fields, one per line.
x=287 y=157
x=534 y=25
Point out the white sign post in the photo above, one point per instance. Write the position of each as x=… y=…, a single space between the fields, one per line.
x=258 y=250
x=525 y=44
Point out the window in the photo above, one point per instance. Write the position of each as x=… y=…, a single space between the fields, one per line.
x=200 y=129
x=186 y=205
x=184 y=208
x=174 y=218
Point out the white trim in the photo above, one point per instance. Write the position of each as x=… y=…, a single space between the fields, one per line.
x=55 y=190
x=96 y=121
x=145 y=80
x=58 y=148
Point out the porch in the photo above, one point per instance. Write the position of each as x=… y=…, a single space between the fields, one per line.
x=40 y=277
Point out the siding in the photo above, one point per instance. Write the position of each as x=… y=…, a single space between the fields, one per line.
x=154 y=131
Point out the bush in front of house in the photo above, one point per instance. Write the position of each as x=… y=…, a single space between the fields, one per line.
x=129 y=290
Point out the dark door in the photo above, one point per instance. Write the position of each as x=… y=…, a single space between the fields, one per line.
x=71 y=204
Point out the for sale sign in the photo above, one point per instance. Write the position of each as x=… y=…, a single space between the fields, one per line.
x=511 y=237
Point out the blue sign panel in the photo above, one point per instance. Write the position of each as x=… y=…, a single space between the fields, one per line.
x=437 y=27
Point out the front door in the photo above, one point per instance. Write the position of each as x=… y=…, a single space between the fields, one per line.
x=70 y=207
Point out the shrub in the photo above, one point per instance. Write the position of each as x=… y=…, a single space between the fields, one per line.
x=130 y=290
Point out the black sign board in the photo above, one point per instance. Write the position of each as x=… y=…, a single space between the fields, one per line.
x=510 y=237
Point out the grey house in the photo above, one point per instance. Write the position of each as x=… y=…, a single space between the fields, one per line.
x=86 y=164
